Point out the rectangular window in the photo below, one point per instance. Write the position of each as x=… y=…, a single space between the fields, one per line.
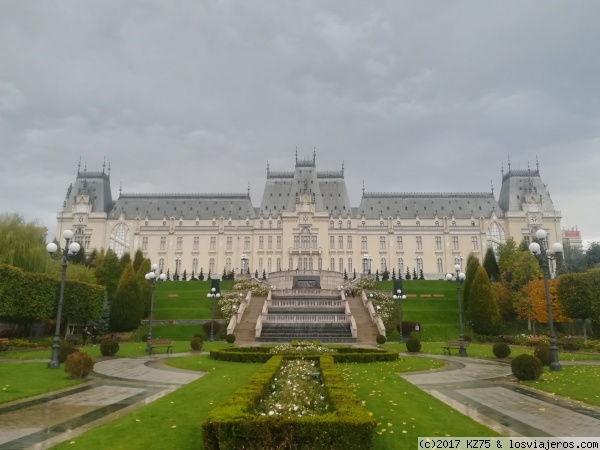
x=438 y=243
x=213 y=243
x=349 y=266
x=246 y=243
x=474 y=244
x=440 y=266
x=382 y=243
x=269 y=265
x=195 y=265
x=279 y=246
x=349 y=243
x=161 y=264
x=163 y=243
x=332 y=242
x=196 y=243
x=270 y=244
x=261 y=242
x=179 y=243
x=313 y=242
x=290 y=264
x=260 y=266
x=455 y=243
x=278 y=264
x=229 y=243
x=341 y=266
x=341 y=242
x=296 y=241
x=145 y=243
x=419 y=243
x=363 y=243
x=399 y=243
x=332 y=262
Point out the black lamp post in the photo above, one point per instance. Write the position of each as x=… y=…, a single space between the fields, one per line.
x=68 y=252
x=540 y=254
x=151 y=277
x=213 y=294
x=459 y=278
x=398 y=296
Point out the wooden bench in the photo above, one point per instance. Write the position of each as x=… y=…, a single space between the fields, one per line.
x=156 y=343
x=3 y=344
x=454 y=345
x=73 y=338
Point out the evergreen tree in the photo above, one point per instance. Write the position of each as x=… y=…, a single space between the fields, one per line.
x=184 y=278
x=377 y=275
x=137 y=260
x=393 y=273
x=89 y=261
x=201 y=275
x=483 y=310
x=126 y=309
x=414 y=275
x=354 y=274
x=79 y=258
x=385 y=275
x=399 y=274
x=110 y=270
x=126 y=259
x=264 y=276
x=491 y=265
x=256 y=274
x=224 y=276
x=193 y=276
x=169 y=275
x=472 y=266
x=421 y=277
x=407 y=273
x=208 y=276
x=231 y=275
x=345 y=275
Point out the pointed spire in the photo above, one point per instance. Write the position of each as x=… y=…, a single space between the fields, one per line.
x=248 y=188
x=109 y=171
x=502 y=169
x=103 y=165
x=315 y=156
x=363 y=188
x=120 y=188
x=267 y=168
x=79 y=166
x=296 y=155
x=342 y=168
x=528 y=168
x=85 y=167
x=537 y=164
x=509 y=164
x=492 y=183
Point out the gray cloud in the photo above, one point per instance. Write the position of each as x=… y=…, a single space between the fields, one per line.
x=197 y=96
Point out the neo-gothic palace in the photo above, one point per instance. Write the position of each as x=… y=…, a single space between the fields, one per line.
x=305 y=221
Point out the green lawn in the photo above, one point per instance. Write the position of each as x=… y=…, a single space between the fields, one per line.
x=580 y=383
x=27 y=379
x=191 y=301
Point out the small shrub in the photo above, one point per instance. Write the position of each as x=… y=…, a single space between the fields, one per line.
x=79 y=365
x=196 y=344
x=571 y=343
x=413 y=345
x=109 y=347
x=501 y=350
x=230 y=338
x=381 y=339
x=66 y=348
x=527 y=367
x=542 y=352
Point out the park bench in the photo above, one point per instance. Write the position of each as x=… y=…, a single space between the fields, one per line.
x=73 y=338
x=156 y=343
x=454 y=345
x=3 y=344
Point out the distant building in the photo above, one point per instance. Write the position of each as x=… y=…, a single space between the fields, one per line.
x=305 y=221
x=572 y=238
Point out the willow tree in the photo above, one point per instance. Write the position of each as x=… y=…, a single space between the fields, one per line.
x=23 y=244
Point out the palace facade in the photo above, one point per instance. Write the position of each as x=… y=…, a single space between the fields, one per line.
x=305 y=221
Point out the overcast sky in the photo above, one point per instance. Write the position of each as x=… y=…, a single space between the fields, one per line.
x=196 y=96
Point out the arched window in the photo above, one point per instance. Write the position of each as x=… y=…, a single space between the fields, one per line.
x=119 y=239
x=495 y=235
x=440 y=266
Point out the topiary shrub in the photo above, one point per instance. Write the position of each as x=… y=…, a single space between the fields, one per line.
x=413 y=345
x=196 y=344
x=527 y=367
x=542 y=352
x=501 y=350
x=381 y=339
x=109 y=347
x=79 y=365
x=66 y=348
x=230 y=338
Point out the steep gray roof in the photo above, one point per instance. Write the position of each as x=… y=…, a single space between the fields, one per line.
x=516 y=184
x=94 y=184
x=427 y=205
x=186 y=206
x=327 y=189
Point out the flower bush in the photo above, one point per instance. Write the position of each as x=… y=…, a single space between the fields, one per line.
x=302 y=348
x=295 y=391
x=364 y=284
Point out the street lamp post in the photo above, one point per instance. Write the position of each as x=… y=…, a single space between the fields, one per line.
x=69 y=251
x=213 y=294
x=151 y=277
x=542 y=257
x=399 y=297
x=459 y=278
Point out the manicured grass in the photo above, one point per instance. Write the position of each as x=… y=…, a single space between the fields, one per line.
x=173 y=421
x=191 y=301
x=580 y=383
x=404 y=412
x=27 y=379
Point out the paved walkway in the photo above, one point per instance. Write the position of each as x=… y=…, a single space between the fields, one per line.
x=487 y=392
x=484 y=390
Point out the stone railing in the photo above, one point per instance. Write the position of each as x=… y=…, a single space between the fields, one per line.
x=376 y=318
x=237 y=318
x=300 y=303
x=306 y=318
x=307 y=291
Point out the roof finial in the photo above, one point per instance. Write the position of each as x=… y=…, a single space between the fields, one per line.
x=296 y=154
x=109 y=171
x=509 y=164
x=537 y=164
x=79 y=166
x=248 y=188
x=85 y=167
x=502 y=169
x=363 y=188
x=492 y=182
x=342 y=168
x=120 y=188
x=103 y=165
x=315 y=156
x=528 y=168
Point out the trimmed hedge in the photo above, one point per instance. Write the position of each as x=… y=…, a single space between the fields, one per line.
x=343 y=355
x=235 y=425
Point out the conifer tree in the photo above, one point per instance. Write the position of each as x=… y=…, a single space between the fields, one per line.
x=256 y=274
x=201 y=274
x=224 y=276
x=126 y=259
x=137 y=260
x=184 y=277
x=483 y=310
x=354 y=274
x=345 y=275
x=393 y=273
x=491 y=265
x=414 y=275
x=472 y=266
x=111 y=270
x=264 y=276
x=407 y=273
x=377 y=275
x=421 y=277
x=126 y=309
x=208 y=276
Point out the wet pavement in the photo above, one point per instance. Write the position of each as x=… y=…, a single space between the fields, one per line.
x=484 y=390
x=487 y=392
